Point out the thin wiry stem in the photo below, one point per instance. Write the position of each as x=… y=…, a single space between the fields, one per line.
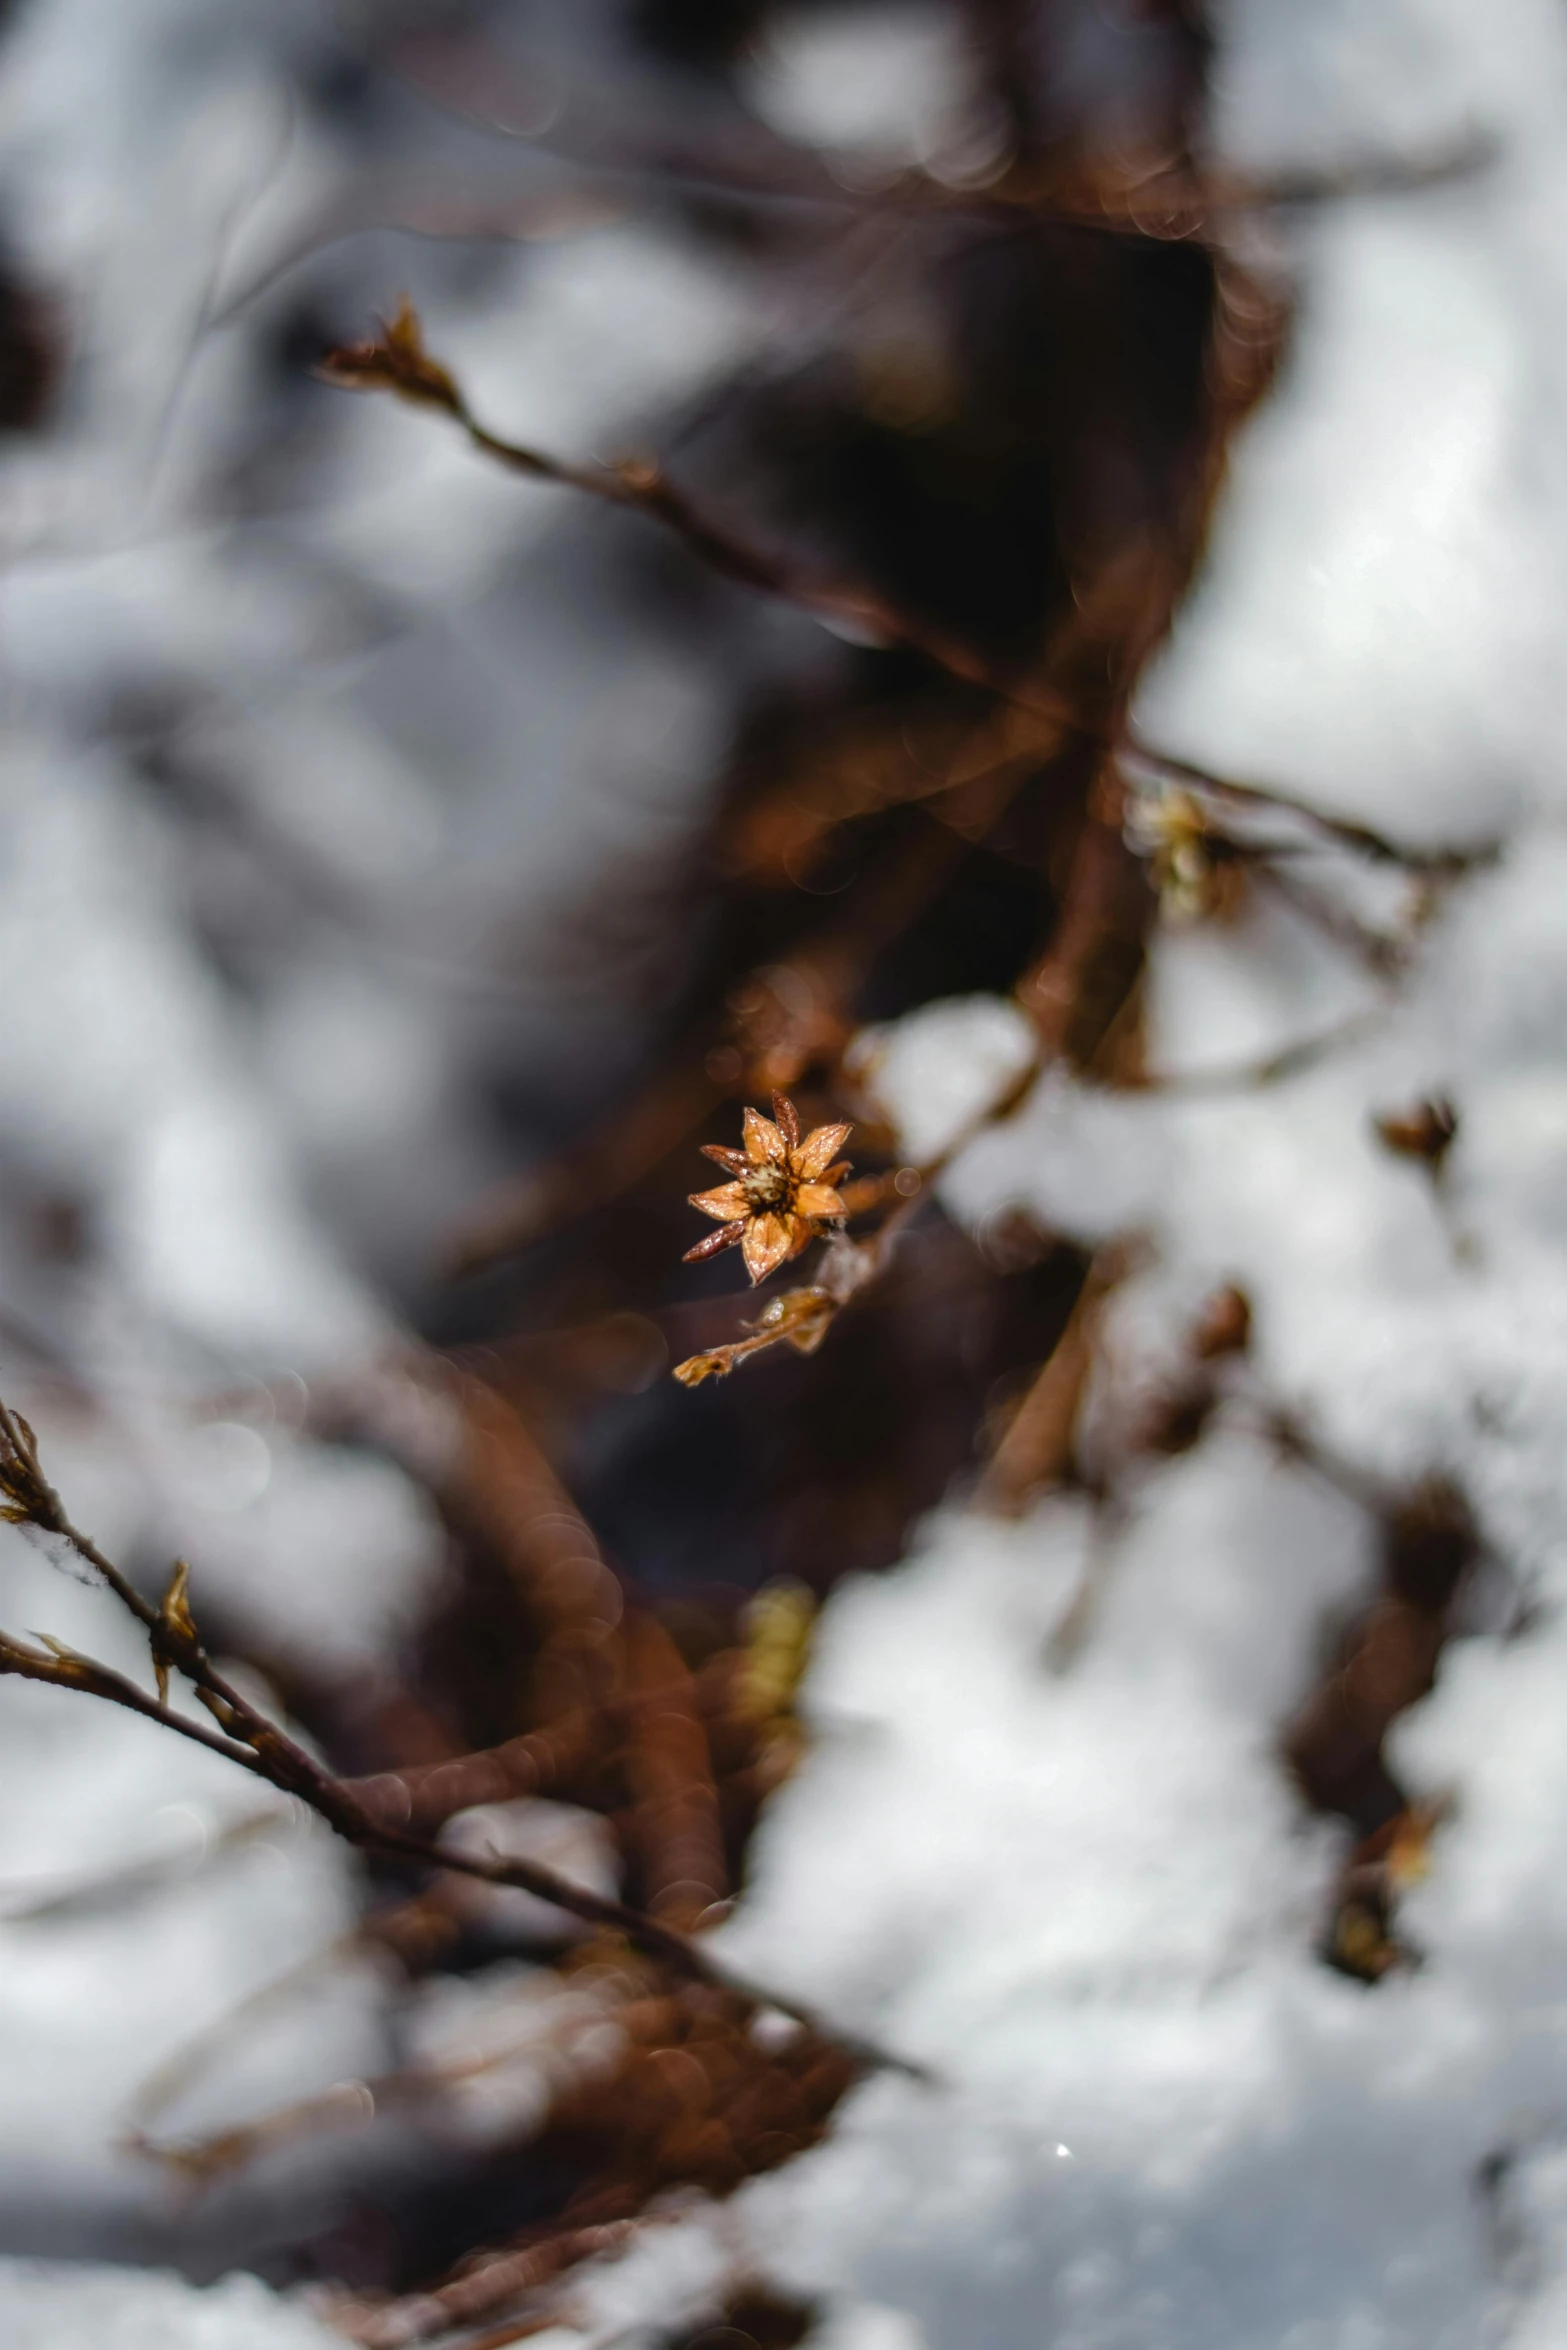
x=1170 y=202
x=256 y=1743
x=1376 y=846
x=397 y=361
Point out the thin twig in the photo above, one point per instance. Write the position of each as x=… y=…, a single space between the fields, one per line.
x=1290 y=1060
x=1167 y=204
x=247 y=1736
x=1436 y=864
x=397 y=361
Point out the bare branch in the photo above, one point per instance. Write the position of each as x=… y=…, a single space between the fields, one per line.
x=397 y=361
x=1364 y=839
x=258 y=1745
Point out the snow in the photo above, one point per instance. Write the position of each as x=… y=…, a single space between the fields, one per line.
x=1089 y=1901
x=55 y=2308
x=250 y=878
x=874 y=86
x=1085 y=1898
x=934 y=1073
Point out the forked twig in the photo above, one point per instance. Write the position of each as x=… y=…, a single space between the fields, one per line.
x=246 y=1736
x=397 y=361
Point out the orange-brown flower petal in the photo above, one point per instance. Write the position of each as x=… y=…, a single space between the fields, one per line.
x=763 y=1142
x=817 y=1152
x=735 y=1161
x=788 y=1120
x=768 y=1241
x=714 y=1243
x=816 y=1201
x=728 y=1200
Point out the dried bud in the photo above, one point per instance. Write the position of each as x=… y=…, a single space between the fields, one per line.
x=778 y=1623
x=1222 y=1326
x=799 y=1318
x=1195 y=868
x=1427 y=1131
x=396 y=361
x=29 y=1501
x=176 y=1623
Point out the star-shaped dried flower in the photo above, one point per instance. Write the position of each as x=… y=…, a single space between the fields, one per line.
x=783 y=1189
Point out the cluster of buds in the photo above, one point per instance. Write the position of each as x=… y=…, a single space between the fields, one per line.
x=1195 y=868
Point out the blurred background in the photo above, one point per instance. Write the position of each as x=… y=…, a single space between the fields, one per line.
x=407 y=864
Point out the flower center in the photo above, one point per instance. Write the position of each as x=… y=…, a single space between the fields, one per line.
x=767 y=1186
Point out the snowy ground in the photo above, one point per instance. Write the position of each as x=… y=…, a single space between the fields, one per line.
x=1088 y=1902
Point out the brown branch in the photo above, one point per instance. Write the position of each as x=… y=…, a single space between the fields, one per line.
x=673 y=1821
x=479 y=2291
x=66 y=1668
x=470 y=80
x=397 y=361
x=1038 y=1448
x=259 y=1746
x=1077 y=996
x=421 y=1797
x=1378 y=847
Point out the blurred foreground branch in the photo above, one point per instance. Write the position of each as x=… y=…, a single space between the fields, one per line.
x=246 y=1736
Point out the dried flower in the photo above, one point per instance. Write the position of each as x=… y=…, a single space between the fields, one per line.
x=783 y=1189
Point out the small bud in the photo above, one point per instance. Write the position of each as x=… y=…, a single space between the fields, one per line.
x=641 y=475
x=1427 y=1131
x=175 y=1617
x=1196 y=870
x=1222 y=1326
x=396 y=361
x=22 y=1481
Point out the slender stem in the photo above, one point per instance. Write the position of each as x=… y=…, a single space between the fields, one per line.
x=641 y=487
x=399 y=362
x=258 y=1745
x=1364 y=838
